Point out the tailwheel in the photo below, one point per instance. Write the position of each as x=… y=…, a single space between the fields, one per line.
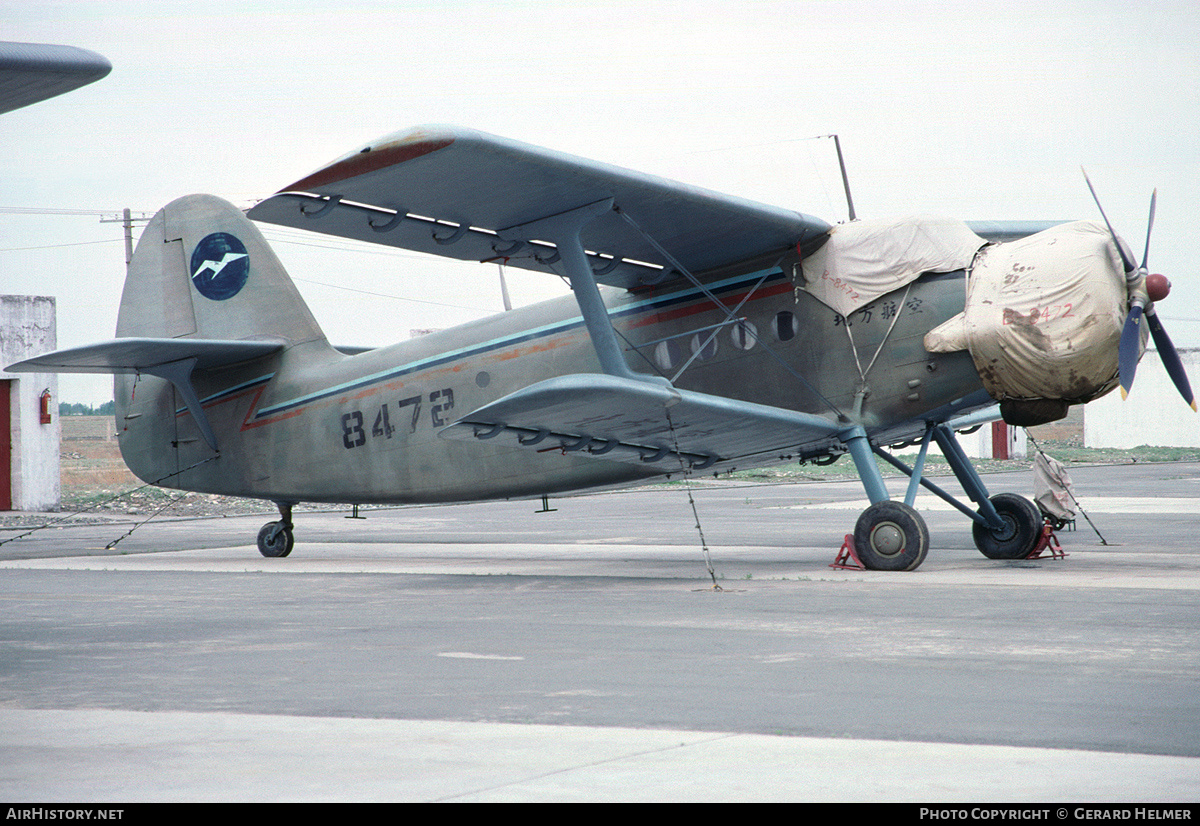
x=891 y=536
x=1022 y=529
x=275 y=539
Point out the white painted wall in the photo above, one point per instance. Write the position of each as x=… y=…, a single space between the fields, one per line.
x=1154 y=414
x=978 y=445
x=28 y=328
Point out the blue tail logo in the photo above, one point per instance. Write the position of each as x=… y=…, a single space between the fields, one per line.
x=220 y=265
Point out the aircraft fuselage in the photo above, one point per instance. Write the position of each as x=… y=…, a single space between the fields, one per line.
x=311 y=424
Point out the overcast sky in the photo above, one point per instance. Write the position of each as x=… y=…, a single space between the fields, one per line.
x=969 y=110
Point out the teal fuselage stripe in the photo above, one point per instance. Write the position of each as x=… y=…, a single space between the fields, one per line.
x=229 y=391
x=650 y=304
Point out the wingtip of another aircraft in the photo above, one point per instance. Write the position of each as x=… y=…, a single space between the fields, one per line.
x=33 y=72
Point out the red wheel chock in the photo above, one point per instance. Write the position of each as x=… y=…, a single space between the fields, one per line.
x=847 y=558
x=1047 y=542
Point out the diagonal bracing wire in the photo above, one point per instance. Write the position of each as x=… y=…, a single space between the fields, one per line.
x=721 y=305
x=95 y=505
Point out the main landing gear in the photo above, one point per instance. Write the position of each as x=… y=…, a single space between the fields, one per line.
x=892 y=536
x=275 y=539
x=1020 y=534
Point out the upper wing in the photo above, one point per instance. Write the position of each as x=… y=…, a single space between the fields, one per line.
x=638 y=422
x=452 y=192
x=32 y=72
x=997 y=231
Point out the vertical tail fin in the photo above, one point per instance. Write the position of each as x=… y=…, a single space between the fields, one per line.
x=203 y=270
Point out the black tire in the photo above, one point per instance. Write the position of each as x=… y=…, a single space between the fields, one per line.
x=891 y=536
x=274 y=541
x=1022 y=529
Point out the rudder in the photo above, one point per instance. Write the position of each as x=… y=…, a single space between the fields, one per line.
x=203 y=270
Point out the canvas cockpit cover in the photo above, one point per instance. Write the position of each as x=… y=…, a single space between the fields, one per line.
x=866 y=259
x=1043 y=315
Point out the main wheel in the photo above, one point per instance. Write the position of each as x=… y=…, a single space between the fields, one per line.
x=891 y=536
x=274 y=539
x=1022 y=529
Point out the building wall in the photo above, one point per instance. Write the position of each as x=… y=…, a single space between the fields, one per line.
x=979 y=445
x=28 y=328
x=1154 y=414
x=88 y=429
x=1068 y=430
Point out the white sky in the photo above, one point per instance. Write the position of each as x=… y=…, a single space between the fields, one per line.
x=975 y=111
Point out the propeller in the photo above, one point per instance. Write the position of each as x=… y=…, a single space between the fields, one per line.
x=1154 y=288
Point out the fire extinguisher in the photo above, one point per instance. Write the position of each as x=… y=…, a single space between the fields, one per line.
x=45 y=401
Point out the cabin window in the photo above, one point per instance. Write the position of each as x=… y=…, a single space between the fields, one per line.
x=667 y=354
x=786 y=325
x=744 y=335
x=704 y=345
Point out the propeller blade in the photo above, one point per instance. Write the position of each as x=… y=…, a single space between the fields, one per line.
x=1131 y=343
x=1129 y=265
x=1149 y=226
x=1170 y=358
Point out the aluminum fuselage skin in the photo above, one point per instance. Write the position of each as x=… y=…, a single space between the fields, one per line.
x=312 y=424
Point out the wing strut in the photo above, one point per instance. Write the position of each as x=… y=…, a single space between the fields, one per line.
x=731 y=315
x=564 y=230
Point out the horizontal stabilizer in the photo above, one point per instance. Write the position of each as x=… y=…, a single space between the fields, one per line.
x=638 y=422
x=133 y=355
x=172 y=359
x=454 y=192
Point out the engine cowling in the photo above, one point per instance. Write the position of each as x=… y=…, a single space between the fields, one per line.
x=1043 y=320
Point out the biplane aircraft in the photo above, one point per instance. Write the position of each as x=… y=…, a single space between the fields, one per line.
x=705 y=333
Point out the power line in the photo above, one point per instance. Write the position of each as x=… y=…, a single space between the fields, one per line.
x=56 y=246
x=385 y=295
x=103 y=213
x=276 y=235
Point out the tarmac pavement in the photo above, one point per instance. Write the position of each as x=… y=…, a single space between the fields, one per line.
x=488 y=652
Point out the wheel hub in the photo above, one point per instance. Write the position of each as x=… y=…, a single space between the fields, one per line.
x=1008 y=531
x=887 y=539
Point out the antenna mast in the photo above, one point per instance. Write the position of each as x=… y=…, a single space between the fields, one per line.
x=845 y=178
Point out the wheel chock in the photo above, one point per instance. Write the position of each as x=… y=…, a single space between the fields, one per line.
x=847 y=558
x=1047 y=542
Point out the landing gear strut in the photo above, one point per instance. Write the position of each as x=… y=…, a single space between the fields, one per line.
x=889 y=536
x=892 y=536
x=275 y=539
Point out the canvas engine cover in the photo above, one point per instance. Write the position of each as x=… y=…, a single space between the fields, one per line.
x=1043 y=315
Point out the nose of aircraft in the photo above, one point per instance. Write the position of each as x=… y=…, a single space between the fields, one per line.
x=1158 y=286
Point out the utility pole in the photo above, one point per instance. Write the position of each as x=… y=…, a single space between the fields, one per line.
x=126 y=218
